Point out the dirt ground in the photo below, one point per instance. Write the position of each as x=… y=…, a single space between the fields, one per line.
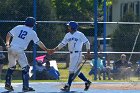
x=125 y=86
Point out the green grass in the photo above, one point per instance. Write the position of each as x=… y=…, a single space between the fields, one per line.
x=64 y=72
x=63 y=75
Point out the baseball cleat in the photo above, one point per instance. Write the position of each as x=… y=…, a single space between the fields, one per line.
x=9 y=87
x=66 y=88
x=26 y=89
x=87 y=85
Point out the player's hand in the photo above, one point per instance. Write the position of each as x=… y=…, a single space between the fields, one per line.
x=50 y=51
x=7 y=46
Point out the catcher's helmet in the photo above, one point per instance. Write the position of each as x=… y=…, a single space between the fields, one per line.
x=73 y=25
x=30 y=21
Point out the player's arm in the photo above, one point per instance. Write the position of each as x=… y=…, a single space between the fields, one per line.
x=39 y=43
x=42 y=46
x=62 y=44
x=8 y=37
x=87 y=43
x=88 y=49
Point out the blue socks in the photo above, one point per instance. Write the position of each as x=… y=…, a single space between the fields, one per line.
x=25 y=78
x=70 y=79
x=9 y=76
x=81 y=76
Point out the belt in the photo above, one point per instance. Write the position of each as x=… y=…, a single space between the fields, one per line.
x=74 y=51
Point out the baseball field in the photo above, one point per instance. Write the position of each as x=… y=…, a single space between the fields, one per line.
x=99 y=86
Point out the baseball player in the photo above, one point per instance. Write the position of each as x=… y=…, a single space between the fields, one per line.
x=75 y=41
x=21 y=35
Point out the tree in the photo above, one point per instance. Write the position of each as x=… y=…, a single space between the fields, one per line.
x=124 y=37
x=16 y=10
x=20 y=9
x=47 y=10
x=78 y=10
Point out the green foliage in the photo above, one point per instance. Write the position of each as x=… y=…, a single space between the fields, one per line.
x=108 y=3
x=125 y=35
x=15 y=10
x=76 y=9
x=73 y=9
x=20 y=9
x=89 y=30
x=47 y=10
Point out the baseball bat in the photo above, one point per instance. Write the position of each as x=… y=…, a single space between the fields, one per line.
x=78 y=70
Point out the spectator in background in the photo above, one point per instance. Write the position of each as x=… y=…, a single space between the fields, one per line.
x=2 y=57
x=122 y=62
x=50 y=72
x=122 y=67
x=100 y=69
x=39 y=68
x=40 y=71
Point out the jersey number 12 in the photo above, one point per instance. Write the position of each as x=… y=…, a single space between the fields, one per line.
x=22 y=34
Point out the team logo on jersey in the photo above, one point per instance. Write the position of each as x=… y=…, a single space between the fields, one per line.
x=72 y=39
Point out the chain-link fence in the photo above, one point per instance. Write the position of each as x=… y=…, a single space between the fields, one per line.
x=122 y=38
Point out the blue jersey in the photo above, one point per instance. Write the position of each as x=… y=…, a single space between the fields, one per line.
x=53 y=73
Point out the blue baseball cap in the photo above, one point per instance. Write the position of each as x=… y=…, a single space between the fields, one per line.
x=30 y=21
x=73 y=25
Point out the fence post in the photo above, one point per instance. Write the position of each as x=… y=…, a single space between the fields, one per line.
x=104 y=36
x=34 y=46
x=95 y=37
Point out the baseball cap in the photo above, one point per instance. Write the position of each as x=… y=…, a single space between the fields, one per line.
x=30 y=21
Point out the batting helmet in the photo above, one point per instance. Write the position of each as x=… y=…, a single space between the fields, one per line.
x=73 y=25
x=30 y=21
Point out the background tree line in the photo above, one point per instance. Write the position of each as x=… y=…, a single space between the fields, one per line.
x=61 y=10
x=47 y=10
